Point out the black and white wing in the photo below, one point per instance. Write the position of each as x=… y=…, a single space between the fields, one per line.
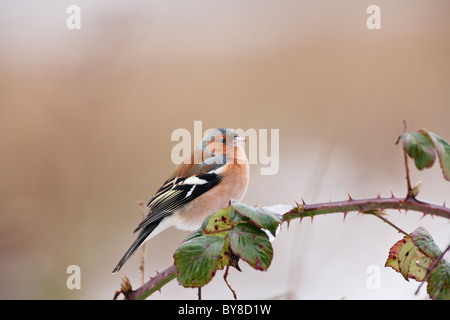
x=177 y=192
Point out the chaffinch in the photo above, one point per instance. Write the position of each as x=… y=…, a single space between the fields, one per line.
x=216 y=171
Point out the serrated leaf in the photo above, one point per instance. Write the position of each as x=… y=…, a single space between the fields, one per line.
x=236 y=217
x=406 y=258
x=442 y=149
x=260 y=217
x=439 y=284
x=423 y=146
x=392 y=260
x=217 y=224
x=425 y=243
x=194 y=234
x=252 y=245
x=420 y=148
x=197 y=260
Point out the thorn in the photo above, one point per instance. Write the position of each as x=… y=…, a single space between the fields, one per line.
x=345 y=215
x=349 y=197
x=312 y=218
x=423 y=215
x=301 y=218
x=392 y=194
x=443 y=204
x=303 y=201
x=378 y=195
x=288 y=223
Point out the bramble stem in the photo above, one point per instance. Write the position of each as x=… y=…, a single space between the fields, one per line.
x=142 y=265
x=380 y=216
x=225 y=277
x=405 y=159
x=432 y=267
x=152 y=285
x=366 y=205
x=373 y=206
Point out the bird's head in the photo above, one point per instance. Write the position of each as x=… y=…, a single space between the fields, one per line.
x=220 y=141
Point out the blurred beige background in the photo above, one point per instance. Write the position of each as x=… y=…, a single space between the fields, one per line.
x=86 y=118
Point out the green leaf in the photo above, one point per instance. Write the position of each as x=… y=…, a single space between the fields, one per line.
x=197 y=260
x=415 y=255
x=406 y=258
x=425 y=243
x=260 y=217
x=420 y=148
x=439 y=285
x=442 y=149
x=225 y=237
x=236 y=217
x=252 y=245
x=423 y=145
x=218 y=224
x=194 y=234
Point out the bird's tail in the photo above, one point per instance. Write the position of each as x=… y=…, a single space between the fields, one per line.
x=143 y=235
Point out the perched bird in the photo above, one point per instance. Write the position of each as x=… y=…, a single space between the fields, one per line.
x=216 y=171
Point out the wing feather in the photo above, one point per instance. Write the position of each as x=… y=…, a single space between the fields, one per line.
x=177 y=192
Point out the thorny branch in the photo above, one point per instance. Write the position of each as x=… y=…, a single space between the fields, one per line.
x=152 y=285
x=372 y=206
x=142 y=265
x=405 y=159
x=365 y=206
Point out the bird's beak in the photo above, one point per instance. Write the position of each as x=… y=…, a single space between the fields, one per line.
x=239 y=141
